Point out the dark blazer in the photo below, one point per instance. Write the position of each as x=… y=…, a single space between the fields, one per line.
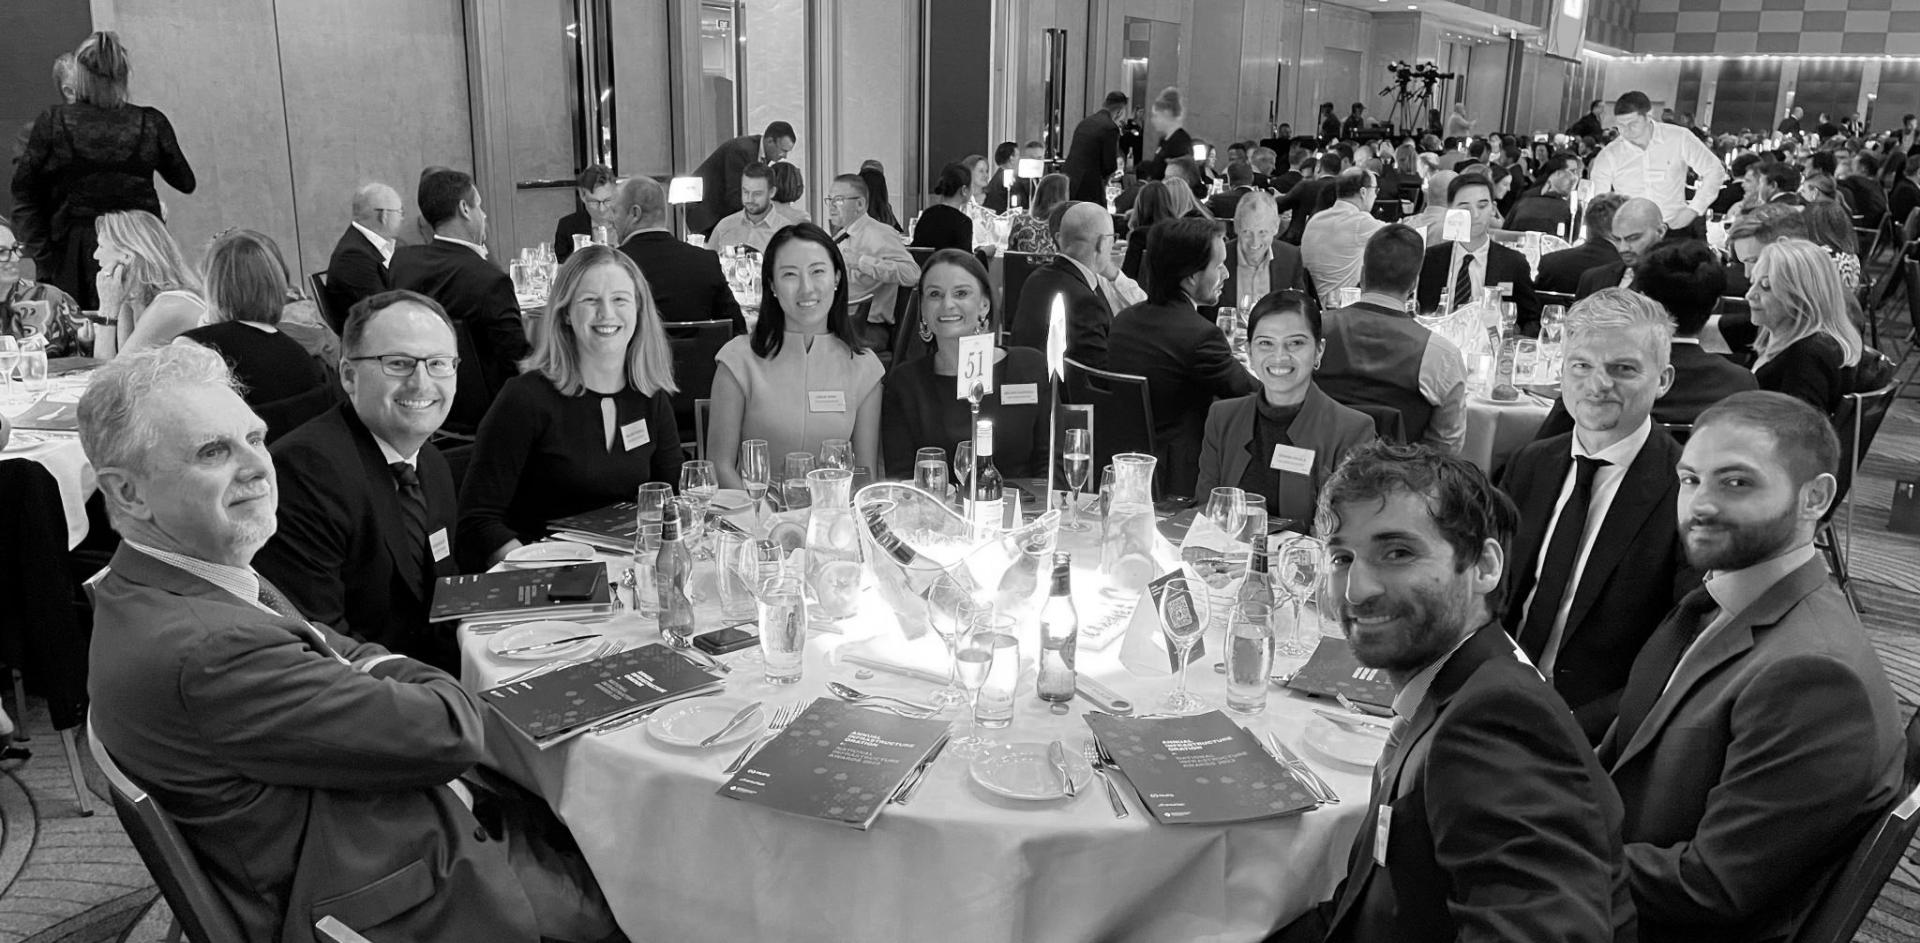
x=1328 y=428
x=1773 y=747
x=1503 y=265
x=1092 y=157
x=354 y=271
x=1504 y=827
x=576 y=223
x=1541 y=213
x=686 y=280
x=720 y=182
x=1284 y=270
x=1605 y=276
x=1305 y=199
x=1810 y=368
x=479 y=298
x=1700 y=379
x=1172 y=147
x=341 y=554
x=1635 y=572
x=1089 y=317
x=1561 y=271
x=308 y=788
x=1188 y=365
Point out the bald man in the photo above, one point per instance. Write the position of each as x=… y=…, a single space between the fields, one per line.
x=358 y=267
x=1085 y=244
x=1639 y=225
x=685 y=280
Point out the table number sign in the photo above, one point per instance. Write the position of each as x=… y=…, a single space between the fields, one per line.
x=975 y=376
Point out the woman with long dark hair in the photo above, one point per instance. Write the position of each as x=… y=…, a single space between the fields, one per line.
x=878 y=205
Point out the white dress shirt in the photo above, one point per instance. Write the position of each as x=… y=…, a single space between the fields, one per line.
x=1659 y=171
x=1606 y=484
x=1332 y=247
x=381 y=243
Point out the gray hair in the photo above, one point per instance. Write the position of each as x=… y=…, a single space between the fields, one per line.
x=1617 y=309
x=114 y=430
x=363 y=208
x=1255 y=205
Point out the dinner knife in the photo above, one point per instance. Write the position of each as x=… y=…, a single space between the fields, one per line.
x=732 y=725
x=1057 y=755
x=553 y=644
x=920 y=774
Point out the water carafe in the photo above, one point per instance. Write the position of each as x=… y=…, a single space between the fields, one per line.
x=1127 y=537
x=833 y=544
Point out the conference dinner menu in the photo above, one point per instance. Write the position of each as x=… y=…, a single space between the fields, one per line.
x=611 y=528
x=1200 y=770
x=541 y=592
x=563 y=703
x=1331 y=670
x=836 y=762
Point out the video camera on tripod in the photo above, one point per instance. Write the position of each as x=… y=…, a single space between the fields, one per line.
x=1409 y=101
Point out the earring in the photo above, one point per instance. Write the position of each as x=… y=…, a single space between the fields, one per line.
x=926 y=333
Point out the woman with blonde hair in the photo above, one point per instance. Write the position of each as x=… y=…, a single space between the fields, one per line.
x=1808 y=346
x=588 y=421
x=148 y=293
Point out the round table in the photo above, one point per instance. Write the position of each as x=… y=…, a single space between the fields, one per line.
x=59 y=452
x=1495 y=430
x=679 y=861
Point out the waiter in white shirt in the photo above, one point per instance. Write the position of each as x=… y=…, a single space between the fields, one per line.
x=1650 y=159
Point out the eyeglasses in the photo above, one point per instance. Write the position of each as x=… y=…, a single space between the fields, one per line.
x=12 y=252
x=400 y=365
x=395 y=211
x=837 y=200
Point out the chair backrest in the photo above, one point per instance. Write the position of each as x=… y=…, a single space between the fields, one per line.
x=1121 y=403
x=906 y=331
x=701 y=408
x=695 y=344
x=202 y=912
x=1912 y=268
x=920 y=255
x=324 y=301
x=1857 y=422
x=1015 y=267
x=287 y=413
x=1388 y=423
x=1838 y=913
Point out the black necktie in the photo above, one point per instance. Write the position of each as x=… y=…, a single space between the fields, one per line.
x=1463 y=283
x=413 y=503
x=272 y=598
x=1657 y=661
x=1556 y=570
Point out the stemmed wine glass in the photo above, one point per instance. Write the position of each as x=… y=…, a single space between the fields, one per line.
x=756 y=473
x=9 y=355
x=979 y=644
x=836 y=453
x=950 y=610
x=1078 y=460
x=697 y=486
x=962 y=467
x=1183 y=616
x=1299 y=566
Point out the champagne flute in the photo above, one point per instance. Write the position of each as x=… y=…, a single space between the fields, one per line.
x=755 y=472
x=1183 y=616
x=836 y=453
x=698 y=485
x=1078 y=459
x=962 y=467
x=949 y=611
x=973 y=658
x=1299 y=566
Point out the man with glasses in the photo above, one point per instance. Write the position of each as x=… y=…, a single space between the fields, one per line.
x=30 y=309
x=596 y=187
x=876 y=255
x=358 y=267
x=366 y=502
x=1650 y=159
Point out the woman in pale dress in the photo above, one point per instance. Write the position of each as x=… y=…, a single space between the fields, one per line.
x=147 y=290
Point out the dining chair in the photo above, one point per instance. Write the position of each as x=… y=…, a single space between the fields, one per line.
x=323 y=301
x=695 y=346
x=1124 y=407
x=198 y=909
x=1844 y=903
x=1015 y=267
x=701 y=409
x=1856 y=424
x=907 y=344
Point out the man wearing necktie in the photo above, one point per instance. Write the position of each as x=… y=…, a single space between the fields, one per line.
x=878 y=263
x=1489 y=818
x=1597 y=560
x=367 y=505
x=1758 y=737
x=1483 y=262
x=313 y=775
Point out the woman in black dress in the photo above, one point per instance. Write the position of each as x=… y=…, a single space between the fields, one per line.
x=246 y=293
x=945 y=223
x=1167 y=115
x=92 y=157
x=1808 y=346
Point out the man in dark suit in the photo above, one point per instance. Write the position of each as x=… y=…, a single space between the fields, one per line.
x=454 y=270
x=1085 y=244
x=1239 y=184
x=1094 y=153
x=1483 y=262
x=1589 y=125
x=685 y=280
x=594 y=185
x=720 y=173
x=1758 y=737
x=1184 y=356
x=1547 y=209
x=1489 y=818
x=312 y=774
x=358 y=267
x=1561 y=271
x=360 y=541
x=1309 y=197
x=1637 y=231
x=1596 y=559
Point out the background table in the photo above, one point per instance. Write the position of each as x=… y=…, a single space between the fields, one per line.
x=59 y=452
x=1496 y=430
x=678 y=861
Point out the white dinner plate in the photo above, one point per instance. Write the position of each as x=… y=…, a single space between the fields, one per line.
x=730 y=499
x=550 y=553
x=686 y=723
x=1022 y=771
x=534 y=633
x=1344 y=746
x=25 y=440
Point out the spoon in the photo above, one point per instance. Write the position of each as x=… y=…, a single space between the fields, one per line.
x=849 y=694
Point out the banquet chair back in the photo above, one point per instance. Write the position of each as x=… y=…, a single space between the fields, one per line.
x=920 y=255
x=907 y=344
x=1388 y=423
x=323 y=301
x=1837 y=915
x=695 y=346
x=287 y=413
x=1014 y=269
x=1124 y=409
x=197 y=907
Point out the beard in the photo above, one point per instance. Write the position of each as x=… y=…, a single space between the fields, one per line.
x=1427 y=624
x=1729 y=545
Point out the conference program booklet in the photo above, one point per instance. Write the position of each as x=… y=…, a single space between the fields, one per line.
x=1332 y=669
x=1201 y=770
x=610 y=528
x=836 y=762
x=555 y=706
x=542 y=592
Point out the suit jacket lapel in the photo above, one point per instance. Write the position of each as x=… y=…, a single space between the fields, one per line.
x=1638 y=499
x=1529 y=542
x=1239 y=429
x=386 y=504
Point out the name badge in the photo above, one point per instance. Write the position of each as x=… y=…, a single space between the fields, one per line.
x=826 y=401
x=1287 y=458
x=1382 y=827
x=1656 y=174
x=634 y=434
x=438 y=542
x=1020 y=394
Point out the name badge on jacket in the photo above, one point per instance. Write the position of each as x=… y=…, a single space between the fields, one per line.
x=1288 y=458
x=1020 y=394
x=439 y=544
x=1382 y=828
x=826 y=401
x=634 y=434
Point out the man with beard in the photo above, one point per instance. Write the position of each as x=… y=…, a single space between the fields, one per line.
x=1489 y=817
x=1757 y=736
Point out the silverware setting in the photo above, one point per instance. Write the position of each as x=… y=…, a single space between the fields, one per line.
x=623 y=721
x=911 y=784
x=905 y=707
x=1356 y=707
x=1321 y=791
x=1057 y=756
x=611 y=647
x=781 y=718
x=733 y=723
x=1097 y=758
x=540 y=646
x=1358 y=723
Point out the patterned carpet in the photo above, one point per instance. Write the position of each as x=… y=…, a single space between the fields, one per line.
x=71 y=879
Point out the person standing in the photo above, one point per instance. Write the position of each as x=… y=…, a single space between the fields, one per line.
x=1651 y=159
x=1589 y=125
x=720 y=173
x=1168 y=116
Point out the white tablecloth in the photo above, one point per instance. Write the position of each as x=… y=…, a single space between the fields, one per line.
x=62 y=456
x=1496 y=430
x=679 y=862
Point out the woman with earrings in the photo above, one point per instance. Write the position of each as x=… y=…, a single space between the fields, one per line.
x=918 y=408
x=1285 y=439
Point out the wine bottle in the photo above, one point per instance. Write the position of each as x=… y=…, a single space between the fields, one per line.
x=672 y=574
x=1059 y=635
x=984 y=497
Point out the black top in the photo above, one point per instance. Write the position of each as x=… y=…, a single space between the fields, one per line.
x=1187 y=364
x=541 y=455
x=1902 y=200
x=576 y=223
x=1172 y=147
x=1868 y=199
x=479 y=297
x=354 y=271
x=943 y=227
x=1810 y=369
x=82 y=161
x=269 y=365
x=918 y=410
x=1541 y=213
x=1561 y=271
x=686 y=281
x=1270 y=424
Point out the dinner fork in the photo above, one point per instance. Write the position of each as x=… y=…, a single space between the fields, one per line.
x=1094 y=759
x=781 y=719
x=1299 y=767
x=605 y=649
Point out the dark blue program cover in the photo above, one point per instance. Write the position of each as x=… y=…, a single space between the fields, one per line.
x=836 y=762
x=1201 y=770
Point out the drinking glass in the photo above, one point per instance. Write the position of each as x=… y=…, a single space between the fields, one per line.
x=755 y=473
x=1078 y=461
x=793 y=481
x=1253 y=518
x=973 y=658
x=1226 y=509
x=962 y=467
x=1249 y=657
x=9 y=355
x=783 y=628
x=993 y=706
x=938 y=455
x=735 y=576
x=1183 y=616
x=698 y=485
x=1106 y=491
x=646 y=546
x=33 y=370
x=652 y=501
x=836 y=453
x=949 y=610
x=1298 y=576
